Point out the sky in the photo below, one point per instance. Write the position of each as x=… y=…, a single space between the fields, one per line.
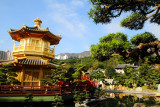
x=66 y=17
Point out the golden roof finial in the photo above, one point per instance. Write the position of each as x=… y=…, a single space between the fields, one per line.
x=38 y=22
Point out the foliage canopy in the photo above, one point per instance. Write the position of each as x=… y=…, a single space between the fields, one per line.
x=143 y=38
x=7 y=75
x=110 y=44
x=138 y=77
x=139 y=47
x=103 y=11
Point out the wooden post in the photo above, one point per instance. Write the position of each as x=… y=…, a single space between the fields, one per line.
x=22 y=76
x=43 y=46
x=60 y=90
x=53 y=51
x=40 y=76
x=14 y=46
x=25 y=43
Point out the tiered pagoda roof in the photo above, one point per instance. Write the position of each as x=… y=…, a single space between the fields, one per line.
x=36 y=31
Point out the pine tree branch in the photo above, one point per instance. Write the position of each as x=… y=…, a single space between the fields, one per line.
x=157 y=8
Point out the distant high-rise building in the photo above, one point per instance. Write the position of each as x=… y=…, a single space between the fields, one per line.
x=6 y=55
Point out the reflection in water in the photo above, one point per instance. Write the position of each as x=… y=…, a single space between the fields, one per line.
x=123 y=100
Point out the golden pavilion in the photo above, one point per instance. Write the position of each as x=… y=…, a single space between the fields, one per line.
x=33 y=55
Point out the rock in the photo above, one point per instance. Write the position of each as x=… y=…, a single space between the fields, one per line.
x=158 y=88
x=120 y=87
x=81 y=105
x=28 y=106
x=139 y=89
x=139 y=105
x=157 y=94
x=139 y=95
x=156 y=106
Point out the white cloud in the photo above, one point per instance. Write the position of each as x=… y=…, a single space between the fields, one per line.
x=113 y=27
x=71 y=20
x=153 y=28
x=67 y=16
x=77 y=3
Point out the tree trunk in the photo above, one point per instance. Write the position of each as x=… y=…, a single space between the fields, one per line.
x=142 y=50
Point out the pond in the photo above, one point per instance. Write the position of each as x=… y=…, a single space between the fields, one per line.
x=111 y=100
x=36 y=104
x=123 y=100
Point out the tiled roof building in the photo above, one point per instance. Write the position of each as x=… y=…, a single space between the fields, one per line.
x=120 y=67
x=33 y=55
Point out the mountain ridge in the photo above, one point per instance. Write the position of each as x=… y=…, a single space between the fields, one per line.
x=67 y=55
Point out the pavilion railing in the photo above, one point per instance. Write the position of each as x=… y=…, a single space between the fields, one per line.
x=33 y=48
x=7 y=90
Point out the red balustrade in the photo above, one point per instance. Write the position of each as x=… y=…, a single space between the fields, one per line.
x=6 y=90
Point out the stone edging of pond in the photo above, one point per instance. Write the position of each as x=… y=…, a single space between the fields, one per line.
x=85 y=103
x=131 y=92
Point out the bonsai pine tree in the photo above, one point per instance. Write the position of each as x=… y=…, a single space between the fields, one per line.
x=29 y=99
x=110 y=72
x=77 y=77
x=145 y=37
x=57 y=75
x=7 y=75
x=103 y=11
x=98 y=75
x=87 y=95
x=57 y=100
x=109 y=45
x=79 y=96
x=138 y=48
